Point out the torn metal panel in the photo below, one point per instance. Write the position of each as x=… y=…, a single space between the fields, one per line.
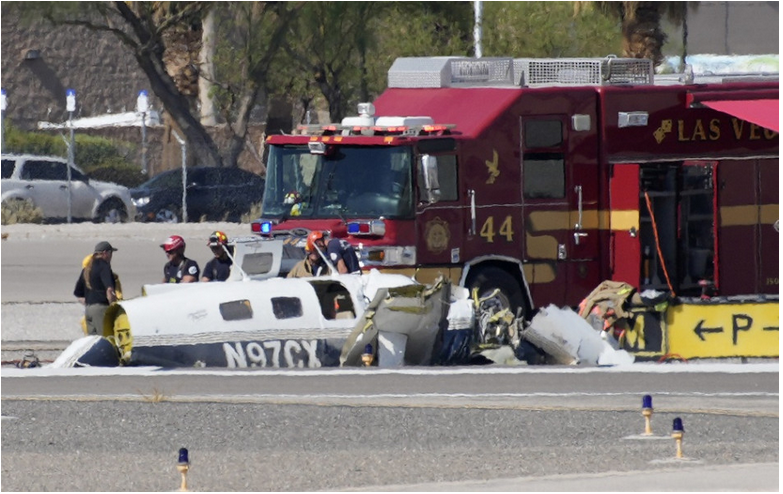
x=570 y=340
x=402 y=323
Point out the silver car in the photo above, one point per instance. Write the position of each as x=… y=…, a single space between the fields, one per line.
x=44 y=180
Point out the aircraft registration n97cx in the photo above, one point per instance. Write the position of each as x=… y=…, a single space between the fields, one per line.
x=278 y=322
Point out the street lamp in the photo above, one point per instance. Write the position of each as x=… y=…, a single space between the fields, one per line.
x=142 y=106
x=70 y=106
x=3 y=106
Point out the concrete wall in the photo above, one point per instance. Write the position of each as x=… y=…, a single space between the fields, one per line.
x=729 y=28
x=39 y=62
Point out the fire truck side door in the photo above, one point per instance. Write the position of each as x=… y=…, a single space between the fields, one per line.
x=769 y=173
x=583 y=262
x=545 y=207
x=624 y=224
x=439 y=216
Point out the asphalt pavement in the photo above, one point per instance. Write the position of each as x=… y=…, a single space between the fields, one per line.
x=464 y=429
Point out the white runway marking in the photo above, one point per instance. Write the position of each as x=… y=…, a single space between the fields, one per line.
x=643 y=368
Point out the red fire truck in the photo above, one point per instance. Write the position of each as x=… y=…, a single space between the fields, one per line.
x=544 y=177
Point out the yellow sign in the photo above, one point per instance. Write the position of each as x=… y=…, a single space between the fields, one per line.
x=747 y=329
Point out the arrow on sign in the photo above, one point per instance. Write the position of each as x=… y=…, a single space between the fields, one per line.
x=699 y=330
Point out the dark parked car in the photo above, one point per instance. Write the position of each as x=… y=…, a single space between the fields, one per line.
x=214 y=194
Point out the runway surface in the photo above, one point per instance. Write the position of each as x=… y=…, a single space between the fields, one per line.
x=446 y=429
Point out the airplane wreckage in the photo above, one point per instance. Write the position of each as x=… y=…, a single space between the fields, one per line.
x=256 y=319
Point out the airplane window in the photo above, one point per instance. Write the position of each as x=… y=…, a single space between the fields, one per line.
x=236 y=310
x=287 y=307
x=257 y=263
x=334 y=299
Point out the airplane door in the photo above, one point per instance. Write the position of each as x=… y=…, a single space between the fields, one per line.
x=624 y=247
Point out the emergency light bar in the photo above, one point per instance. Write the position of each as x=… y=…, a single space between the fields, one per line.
x=378 y=130
x=367 y=228
x=264 y=227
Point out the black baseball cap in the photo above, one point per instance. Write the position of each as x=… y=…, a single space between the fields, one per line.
x=104 y=246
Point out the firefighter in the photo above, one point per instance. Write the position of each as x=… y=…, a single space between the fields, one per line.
x=219 y=267
x=313 y=264
x=178 y=269
x=343 y=256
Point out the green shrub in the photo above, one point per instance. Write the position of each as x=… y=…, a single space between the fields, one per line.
x=91 y=152
x=94 y=152
x=119 y=172
x=19 y=141
x=20 y=211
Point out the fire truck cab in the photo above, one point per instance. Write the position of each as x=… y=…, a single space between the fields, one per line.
x=544 y=177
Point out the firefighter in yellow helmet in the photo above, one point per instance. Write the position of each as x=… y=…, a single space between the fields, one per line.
x=219 y=267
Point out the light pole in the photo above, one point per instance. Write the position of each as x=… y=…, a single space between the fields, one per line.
x=478 y=9
x=70 y=106
x=3 y=106
x=142 y=106
x=184 y=146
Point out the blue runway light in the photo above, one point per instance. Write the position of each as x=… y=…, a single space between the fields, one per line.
x=677 y=425
x=647 y=411
x=182 y=467
x=367 y=356
x=183 y=456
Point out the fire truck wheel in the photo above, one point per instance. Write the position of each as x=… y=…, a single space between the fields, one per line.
x=489 y=278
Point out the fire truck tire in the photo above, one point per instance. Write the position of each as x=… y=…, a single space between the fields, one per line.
x=489 y=278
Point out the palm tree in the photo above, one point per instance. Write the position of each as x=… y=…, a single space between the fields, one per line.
x=641 y=24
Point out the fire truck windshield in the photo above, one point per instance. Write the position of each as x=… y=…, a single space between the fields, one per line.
x=345 y=182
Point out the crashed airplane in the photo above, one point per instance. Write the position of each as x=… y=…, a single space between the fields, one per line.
x=257 y=319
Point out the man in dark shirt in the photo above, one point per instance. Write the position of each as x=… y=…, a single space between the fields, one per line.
x=219 y=267
x=95 y=287
x=179 y=269
x=343 y=256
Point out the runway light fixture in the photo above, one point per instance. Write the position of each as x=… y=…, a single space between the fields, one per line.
x=647 y=411
x=367 y=356
x=183 y=465
x=677 y=432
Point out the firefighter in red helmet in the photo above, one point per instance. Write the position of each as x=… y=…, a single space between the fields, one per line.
x=178 y=269
x=313 y=264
